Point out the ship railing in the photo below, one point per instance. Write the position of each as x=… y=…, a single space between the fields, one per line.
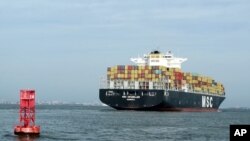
x=128 y=84
x=196 y=92
x=119 y=84
x=103 y=83
x=206 y=93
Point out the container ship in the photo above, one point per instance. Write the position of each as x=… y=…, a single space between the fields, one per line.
x=157 y=83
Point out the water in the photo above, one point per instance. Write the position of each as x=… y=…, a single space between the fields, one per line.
x=99 y=123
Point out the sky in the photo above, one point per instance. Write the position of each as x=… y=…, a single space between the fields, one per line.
x=61 y=48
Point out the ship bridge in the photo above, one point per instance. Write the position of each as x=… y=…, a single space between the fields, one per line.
x=156 y=58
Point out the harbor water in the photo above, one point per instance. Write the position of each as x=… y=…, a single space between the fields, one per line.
x=102 y=123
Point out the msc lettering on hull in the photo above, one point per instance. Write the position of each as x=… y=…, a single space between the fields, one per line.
x=207 y=102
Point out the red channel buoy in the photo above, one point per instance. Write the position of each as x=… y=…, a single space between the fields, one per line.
x=27 y=115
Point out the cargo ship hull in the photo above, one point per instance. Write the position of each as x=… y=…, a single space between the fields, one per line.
x=160 y=100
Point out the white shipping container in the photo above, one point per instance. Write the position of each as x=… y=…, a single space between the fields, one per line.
x=111 y=84
x=125 y=84
x=136 y=85
x=150 y=85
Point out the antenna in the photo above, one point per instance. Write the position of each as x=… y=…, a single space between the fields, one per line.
x=178 y=52
x=158 y=48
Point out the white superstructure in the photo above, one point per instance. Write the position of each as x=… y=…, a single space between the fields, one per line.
x=156 y=58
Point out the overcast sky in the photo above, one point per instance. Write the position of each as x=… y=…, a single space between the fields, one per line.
x=61 y=48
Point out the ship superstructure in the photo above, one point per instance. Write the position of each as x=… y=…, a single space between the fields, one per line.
x=156 y=58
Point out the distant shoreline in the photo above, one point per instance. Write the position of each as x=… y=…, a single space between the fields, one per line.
x=13 y=105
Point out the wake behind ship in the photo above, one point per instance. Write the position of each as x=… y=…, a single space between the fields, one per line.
x=157 y=83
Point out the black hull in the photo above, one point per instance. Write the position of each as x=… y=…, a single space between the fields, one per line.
x=159 y=100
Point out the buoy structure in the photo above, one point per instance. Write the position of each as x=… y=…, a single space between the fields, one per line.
x=27 y=115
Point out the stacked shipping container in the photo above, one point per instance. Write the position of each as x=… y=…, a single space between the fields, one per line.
x=149 y=77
